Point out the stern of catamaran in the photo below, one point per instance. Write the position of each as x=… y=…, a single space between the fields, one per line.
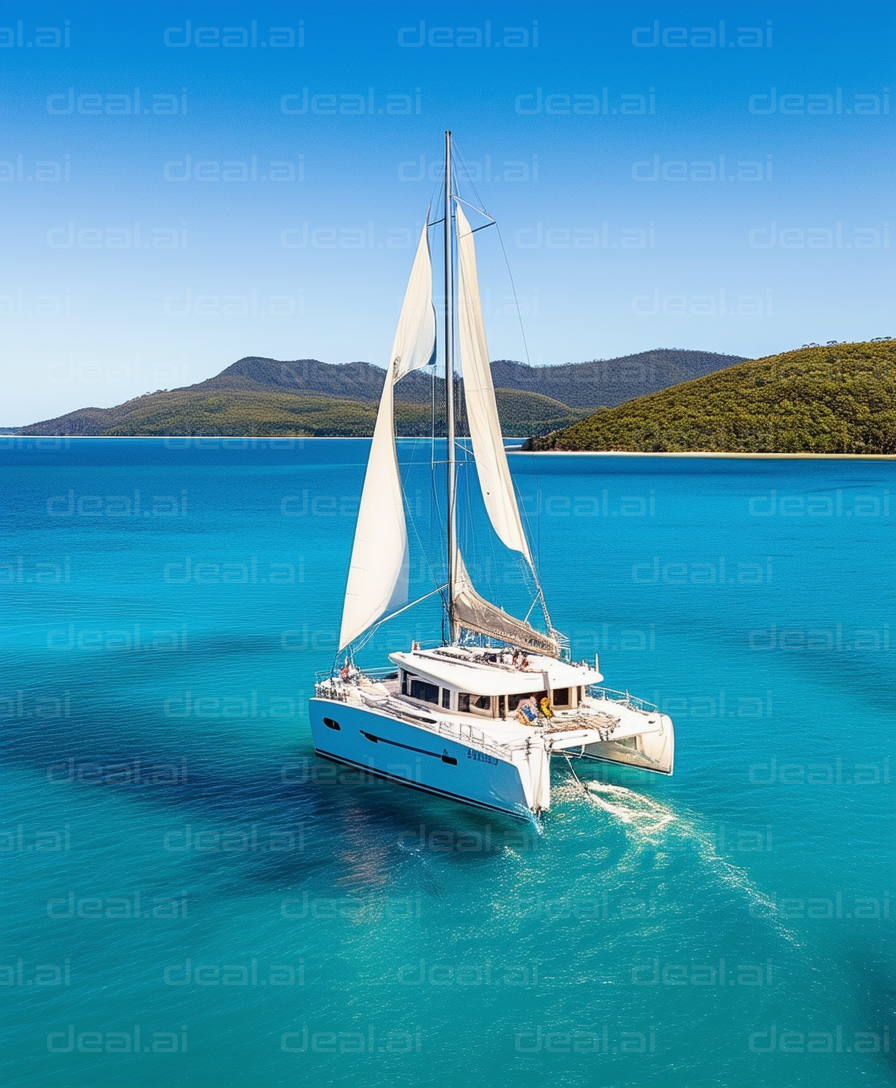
x=616 y=727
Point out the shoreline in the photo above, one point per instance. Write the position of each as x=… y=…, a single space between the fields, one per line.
x=421 y=438
x=707 y=453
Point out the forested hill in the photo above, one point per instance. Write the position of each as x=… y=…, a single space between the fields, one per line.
x=579 y=385
x=833 y=399
x=258 y=396
x=610 y=381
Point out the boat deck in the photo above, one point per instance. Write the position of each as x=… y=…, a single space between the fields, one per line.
x=602 y=717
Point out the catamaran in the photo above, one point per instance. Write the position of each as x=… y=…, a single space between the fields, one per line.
x=478 y=715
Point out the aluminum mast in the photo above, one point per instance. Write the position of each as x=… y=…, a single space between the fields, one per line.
x=453 y=628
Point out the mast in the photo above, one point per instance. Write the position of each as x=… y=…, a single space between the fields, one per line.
x=449 y=394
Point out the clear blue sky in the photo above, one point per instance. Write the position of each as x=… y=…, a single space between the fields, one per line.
x=634 y=154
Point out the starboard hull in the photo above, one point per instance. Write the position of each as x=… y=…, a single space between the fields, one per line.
x=650 y=751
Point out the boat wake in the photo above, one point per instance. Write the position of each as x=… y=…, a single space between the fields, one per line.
x=653 y=823
x=649 y=817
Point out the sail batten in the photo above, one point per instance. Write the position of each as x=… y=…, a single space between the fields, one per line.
x=378 y=573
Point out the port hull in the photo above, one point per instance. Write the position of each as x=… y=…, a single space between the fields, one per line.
x=416 y=757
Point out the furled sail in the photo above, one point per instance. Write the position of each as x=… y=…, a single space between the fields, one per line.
x=479 y=391
x=477 y=614
x=378 y=574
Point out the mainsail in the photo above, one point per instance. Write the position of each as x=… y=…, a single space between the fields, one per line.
x=470 y=609
x=479 y=392
x=378 y=574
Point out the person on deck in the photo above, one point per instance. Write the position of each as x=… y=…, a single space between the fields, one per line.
x=527 y=711
x=546 y=708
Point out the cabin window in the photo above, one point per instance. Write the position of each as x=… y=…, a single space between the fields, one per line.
x=404 y=682
x=502 y=706
x=474 y=704
x=446 y=698
x=424 y=691
x=331 y=723
x=561 y=697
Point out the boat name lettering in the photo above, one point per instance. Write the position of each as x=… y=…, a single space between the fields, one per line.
x=481 y=756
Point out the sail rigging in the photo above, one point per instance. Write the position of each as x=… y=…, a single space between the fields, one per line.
x=469 y=608
x=378 y=572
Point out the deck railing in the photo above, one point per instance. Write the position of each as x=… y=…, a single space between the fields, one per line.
x=389 y=672
x=475 y=738
x=631 y=701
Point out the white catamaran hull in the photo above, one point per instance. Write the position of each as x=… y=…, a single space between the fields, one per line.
x=428 y=761
x=647 y=751
x=642 y=738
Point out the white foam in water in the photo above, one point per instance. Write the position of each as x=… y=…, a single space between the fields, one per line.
x=649 y=819
x=645 y=814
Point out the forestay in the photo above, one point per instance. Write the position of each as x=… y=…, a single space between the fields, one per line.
x=378 y=574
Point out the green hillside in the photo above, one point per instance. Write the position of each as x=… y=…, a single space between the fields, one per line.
x=834 y=399
x=242 y=412
x=562 y=394
x=236 y=412
x=525 y=413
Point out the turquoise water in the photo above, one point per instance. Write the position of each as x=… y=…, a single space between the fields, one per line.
x=192 y=899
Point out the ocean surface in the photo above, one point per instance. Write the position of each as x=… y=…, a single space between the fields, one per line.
x=191 y=898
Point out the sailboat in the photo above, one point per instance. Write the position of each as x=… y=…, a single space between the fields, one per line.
x=478 y=715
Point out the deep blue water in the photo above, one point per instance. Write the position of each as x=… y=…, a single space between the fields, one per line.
x=179 y=865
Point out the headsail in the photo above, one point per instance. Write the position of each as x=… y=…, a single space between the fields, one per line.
x=377 y=577
x=479 y=391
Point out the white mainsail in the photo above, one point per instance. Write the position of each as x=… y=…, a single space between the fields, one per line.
x=470 y=609
x=479 y=391
x=378 y=574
